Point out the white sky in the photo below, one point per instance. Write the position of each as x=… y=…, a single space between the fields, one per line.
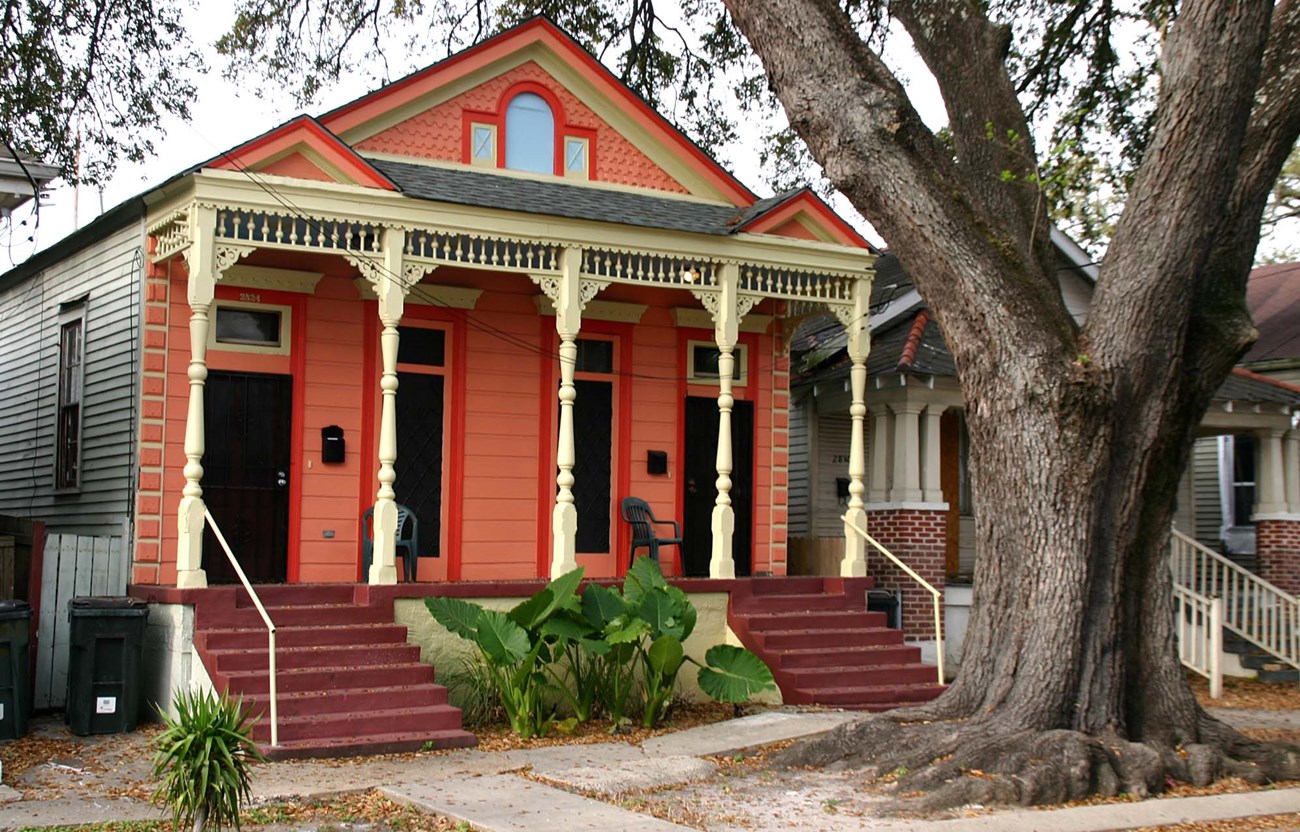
x=223 y=117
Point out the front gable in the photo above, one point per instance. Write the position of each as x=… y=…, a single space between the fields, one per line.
x=803 y=216
x=431 y=114
x=301 y=148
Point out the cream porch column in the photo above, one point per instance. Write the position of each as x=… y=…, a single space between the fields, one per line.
x=206 y=260
x=856 y=322
x=569 y=295
x=390 y=289
x=907 y=446
x=931 y=479
x=1271 y=489
x=879 y=455
x=1291 y=476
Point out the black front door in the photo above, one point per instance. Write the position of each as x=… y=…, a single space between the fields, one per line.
x=700 y=484
x=246 y=474
x=419 y=455
x=593 y=420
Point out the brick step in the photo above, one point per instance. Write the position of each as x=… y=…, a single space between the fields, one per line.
x=246 y=638
x=786 y=586
x=353 y=700
x=845 y=656
x=326 y=656
x=420 y=719
x=287 y=595
x=304 y=615
x=798 y=602
x=256 y=682
x=860 y=696
x=390 y=743
x=827 y=677
x=824 y=620
x=769 y=640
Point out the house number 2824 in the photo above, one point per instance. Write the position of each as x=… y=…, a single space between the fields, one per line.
x=250 y=297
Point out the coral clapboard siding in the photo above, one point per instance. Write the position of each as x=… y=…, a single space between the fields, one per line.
x=439 y=133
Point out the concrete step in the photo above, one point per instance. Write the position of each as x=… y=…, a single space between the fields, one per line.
x=255 y=682
x=353 y=700
x=387 y=743
x=798 y=602
x=823 y=620
x=845 y=656
x=344 y=725
x=325 y=656
x=806 y=638
x=806 y=584
x=282 y=595
x=247 y=638
x=862 y=697
x=845 y=677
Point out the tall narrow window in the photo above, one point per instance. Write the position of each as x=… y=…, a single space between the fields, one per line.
x=530 y=134
x=67 y=448
x=1243 y=479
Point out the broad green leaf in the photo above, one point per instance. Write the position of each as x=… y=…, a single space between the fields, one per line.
x=662 y=613
x=601 y=605
x=627 y=631
x=533 y=611
x=501 y=640
x=595 y=647
x=567 y=584
x=644 y=576
x=733 y=674
x=565 y=628
x=665 y=655
x=457 y=615
x=688 y=614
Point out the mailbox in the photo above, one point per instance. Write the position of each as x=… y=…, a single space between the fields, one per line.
x=333 y=448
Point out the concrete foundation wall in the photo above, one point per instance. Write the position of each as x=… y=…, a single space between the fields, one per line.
x=170 y=663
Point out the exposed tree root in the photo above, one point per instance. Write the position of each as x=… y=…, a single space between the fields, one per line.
x=983 y=760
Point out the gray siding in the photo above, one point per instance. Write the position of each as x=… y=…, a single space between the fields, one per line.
x=834 y=436
x=109 y=275
x=1207 y=507
x=800 y=415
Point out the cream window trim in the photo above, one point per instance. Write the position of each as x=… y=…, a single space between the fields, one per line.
x=579 y=150
x=689 y=318
x=286 y=328
x=482 y=140
x=741 y=353
x=277 y=280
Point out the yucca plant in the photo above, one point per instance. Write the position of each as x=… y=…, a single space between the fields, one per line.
x=204 y=760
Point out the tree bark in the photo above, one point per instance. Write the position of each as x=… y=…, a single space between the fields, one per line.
x=1070 y=682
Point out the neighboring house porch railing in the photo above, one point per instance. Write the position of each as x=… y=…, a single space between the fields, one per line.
x=270 y=627
x=935 y=594
x=1252 y=607
x=1199 y=626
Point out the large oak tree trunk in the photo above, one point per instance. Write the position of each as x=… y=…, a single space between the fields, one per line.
x=1070 y=682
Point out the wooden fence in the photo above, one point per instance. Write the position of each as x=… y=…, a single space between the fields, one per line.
x=74 y=567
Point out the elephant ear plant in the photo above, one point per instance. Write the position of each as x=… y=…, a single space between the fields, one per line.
x=204 y=759
x=516 y=648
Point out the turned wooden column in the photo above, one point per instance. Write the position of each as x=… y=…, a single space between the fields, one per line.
x=856 y=320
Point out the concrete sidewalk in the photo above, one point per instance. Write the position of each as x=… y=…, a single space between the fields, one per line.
x=488 y=789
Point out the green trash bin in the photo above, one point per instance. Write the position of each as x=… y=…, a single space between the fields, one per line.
x=15 y=668
x=107 y=638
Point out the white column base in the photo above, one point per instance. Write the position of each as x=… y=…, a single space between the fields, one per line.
x=564 y=541
x=189 y=544
x=854 y=564
x=722 y=565
x=383 y=561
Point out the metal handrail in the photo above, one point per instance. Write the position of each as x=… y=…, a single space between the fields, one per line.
x=1199 y=627
x=1253 y=608
x=270 y=626
x=935 y=594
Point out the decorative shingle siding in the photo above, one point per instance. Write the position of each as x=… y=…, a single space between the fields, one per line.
x=1277 y=545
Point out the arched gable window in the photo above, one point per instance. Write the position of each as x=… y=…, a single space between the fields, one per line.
x=530 y=134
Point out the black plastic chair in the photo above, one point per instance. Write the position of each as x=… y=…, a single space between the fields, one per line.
x=408 y=541
x=637 y=514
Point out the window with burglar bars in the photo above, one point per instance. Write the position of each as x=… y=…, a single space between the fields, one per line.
x=72 y=349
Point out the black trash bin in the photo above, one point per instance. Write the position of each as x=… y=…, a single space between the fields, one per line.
x=888 y=602
x=107 y=638
x=15 y=668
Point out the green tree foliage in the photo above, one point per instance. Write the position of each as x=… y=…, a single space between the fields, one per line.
x=94 y=77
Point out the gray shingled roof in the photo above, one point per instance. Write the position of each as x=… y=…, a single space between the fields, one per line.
x=509 y=193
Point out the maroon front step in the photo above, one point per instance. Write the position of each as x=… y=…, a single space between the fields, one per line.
x=253 y=682
x=787 y=585
x=824 y=677
x=853 y=696
x=355 y=700
x=845 y=656
x=391 y=743
x=426 y=719
x=798 y=602
x=283 y=595
x=333 y=656
x=246 y=638
x=795 y=639
x=824 y=620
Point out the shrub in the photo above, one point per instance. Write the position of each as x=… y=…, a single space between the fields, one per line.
x=204 y=757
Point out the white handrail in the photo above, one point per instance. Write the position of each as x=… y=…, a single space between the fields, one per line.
x=1199 y=625
x=1253 y=608
x=935 y=594
x=270 y=627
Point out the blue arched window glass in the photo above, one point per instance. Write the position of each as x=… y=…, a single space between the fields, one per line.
x=530 y=134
